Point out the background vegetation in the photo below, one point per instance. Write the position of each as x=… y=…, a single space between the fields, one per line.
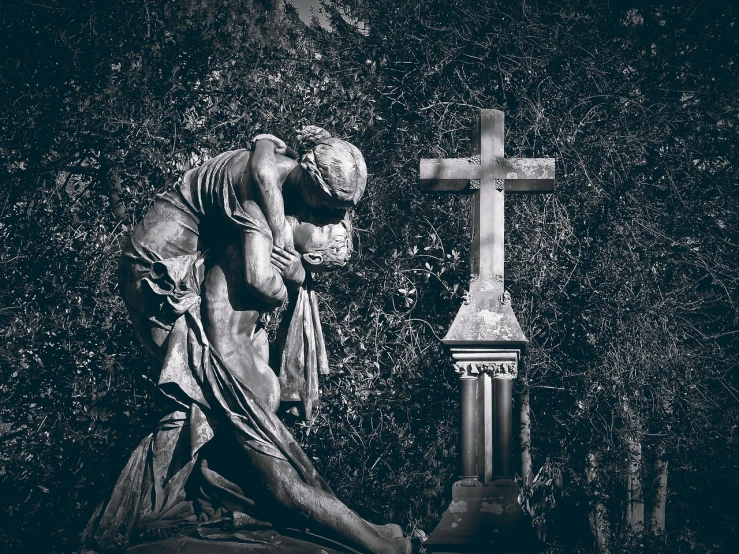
x=624 y=280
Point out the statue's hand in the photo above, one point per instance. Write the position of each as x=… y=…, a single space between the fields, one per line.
x=288 y=262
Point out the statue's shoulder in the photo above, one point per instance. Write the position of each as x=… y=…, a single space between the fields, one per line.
x=238 y=157
x=232 y=162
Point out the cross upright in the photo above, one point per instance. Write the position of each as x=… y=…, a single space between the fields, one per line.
x=485 y=339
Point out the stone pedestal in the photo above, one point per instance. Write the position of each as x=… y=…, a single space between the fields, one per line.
x=486 y=344
x=484 y=514
x=285 y=543
x=483 y=519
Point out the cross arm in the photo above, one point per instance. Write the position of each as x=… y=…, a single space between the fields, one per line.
x=448 y=174
x=526 y=174
x=520 y=174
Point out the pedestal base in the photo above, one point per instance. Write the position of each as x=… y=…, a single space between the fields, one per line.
x=292 y=543
x=484 y=519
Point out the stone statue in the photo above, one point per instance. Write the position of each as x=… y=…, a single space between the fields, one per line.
x=210 y=256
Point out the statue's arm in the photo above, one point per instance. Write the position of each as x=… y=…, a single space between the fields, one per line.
x=261 y=277
x=266 y=182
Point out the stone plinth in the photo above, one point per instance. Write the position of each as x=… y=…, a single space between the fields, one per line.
x=288 y=543
x=483 y=519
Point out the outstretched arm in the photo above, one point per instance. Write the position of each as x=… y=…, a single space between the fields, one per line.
x=266 y=182
x=261 y=277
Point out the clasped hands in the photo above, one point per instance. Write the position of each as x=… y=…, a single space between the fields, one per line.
x=288 y=262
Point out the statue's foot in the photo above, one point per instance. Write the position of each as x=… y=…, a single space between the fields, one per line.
x=389 y=531
x=402 y=545
x=389 y=540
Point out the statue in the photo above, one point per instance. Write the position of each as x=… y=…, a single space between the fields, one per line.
x=211 y=256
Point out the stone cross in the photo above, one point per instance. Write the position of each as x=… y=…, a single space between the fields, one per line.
x=485 y=338
x=489 y=175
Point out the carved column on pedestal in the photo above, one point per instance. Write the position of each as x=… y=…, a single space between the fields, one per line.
x=486 y=377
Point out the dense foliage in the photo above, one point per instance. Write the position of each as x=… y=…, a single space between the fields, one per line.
x=624 y=280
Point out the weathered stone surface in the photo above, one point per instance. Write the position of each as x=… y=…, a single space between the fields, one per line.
x=483 y=320
x=520 y=174
x=483 y=519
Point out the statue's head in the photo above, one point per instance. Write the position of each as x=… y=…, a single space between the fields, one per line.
x=334 y=170
x=331 y=177
x=323 y=247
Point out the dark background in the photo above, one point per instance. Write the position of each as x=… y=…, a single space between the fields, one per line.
x=624 y=280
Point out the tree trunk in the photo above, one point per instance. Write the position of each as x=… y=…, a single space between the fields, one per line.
x=634 y=496
x=525 y=436
x=659 y=483
x=599 y=513
x=660 y=494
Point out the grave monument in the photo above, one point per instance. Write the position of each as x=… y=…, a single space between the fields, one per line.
x=486 y=344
